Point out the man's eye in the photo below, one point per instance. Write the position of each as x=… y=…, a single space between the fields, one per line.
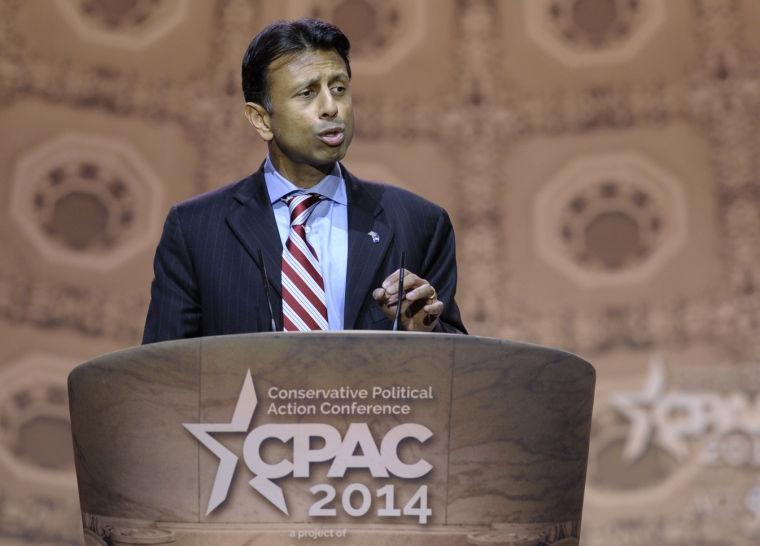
x=340 y=89
x=306 y=93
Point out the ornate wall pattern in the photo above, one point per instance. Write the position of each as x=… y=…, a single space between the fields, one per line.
x=588 y=32
x=598 y=159
x=132 y=25
x=611 y=219
x=87 y=201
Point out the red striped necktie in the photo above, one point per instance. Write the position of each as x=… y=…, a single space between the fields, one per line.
x=303 y=290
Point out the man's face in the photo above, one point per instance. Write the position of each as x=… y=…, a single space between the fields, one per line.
x=312 y=121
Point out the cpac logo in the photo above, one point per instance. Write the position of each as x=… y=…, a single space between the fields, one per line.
x=671 y=418
x=381 y=462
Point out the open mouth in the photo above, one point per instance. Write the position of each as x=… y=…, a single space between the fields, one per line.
x=332 y=137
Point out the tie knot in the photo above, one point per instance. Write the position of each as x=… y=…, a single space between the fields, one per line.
x=301 y=205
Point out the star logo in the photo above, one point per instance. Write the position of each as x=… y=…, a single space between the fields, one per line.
x=240 y=422
x=638 y=408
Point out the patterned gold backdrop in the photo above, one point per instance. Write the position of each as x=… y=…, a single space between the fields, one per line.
x=599 y=159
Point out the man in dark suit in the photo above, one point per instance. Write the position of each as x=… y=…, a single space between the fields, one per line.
x=330 y=242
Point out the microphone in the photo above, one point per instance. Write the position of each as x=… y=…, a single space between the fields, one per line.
x=265 y=280
x=401 y=294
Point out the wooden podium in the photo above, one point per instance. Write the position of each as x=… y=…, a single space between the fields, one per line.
x=351 y=438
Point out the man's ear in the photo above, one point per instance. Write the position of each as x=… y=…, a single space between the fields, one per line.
x=260 y=119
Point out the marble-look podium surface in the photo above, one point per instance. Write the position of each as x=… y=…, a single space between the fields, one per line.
x=509 y=429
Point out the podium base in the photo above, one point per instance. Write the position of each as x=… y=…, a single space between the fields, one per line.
x=124 y=532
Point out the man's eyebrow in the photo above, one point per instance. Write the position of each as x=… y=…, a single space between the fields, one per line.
x=305 y=83
x=308 y=83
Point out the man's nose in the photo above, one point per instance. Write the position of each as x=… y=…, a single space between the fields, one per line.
x=328 y=107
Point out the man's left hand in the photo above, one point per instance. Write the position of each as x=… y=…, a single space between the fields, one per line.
x=421 y=307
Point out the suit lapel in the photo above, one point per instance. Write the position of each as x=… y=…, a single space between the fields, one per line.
x=364 y=255
x=255 y=227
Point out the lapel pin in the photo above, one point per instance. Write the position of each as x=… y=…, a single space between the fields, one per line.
x=375 y=237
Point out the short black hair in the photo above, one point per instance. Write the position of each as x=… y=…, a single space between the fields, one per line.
x=283 y=38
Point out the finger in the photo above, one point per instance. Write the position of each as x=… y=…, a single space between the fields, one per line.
x=391 y=280
x=410 y=281
x=391 y=300
x=422 y=292
x=434 y=309
x=379 y=295
x=414 y=307
x=429 y=321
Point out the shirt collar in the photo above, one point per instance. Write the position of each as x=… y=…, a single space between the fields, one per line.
x=331 y=186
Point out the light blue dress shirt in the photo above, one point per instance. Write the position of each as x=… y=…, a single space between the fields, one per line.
x=326 y=231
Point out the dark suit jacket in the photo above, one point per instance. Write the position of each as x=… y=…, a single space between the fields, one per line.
x=207 y=273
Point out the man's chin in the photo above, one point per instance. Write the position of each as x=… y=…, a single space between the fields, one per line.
x=322 y=158
x=330 y=156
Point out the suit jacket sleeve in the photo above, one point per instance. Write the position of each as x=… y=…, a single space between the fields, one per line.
x=175 y=310
x=440 y=270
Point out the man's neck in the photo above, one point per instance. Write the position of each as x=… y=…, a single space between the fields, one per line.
x=302 y=175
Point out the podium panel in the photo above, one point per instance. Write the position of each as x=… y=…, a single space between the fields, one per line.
x=332 y=438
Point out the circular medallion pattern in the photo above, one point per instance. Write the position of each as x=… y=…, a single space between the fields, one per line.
x=611 y=225
x=381 y=32
x=370 y=25
x=120 y=14
x=585 y=32
x=130 y=24
x=85 y=200
x=35 y=432
x=610 y=219
x=595 y=24
x=84 y=206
